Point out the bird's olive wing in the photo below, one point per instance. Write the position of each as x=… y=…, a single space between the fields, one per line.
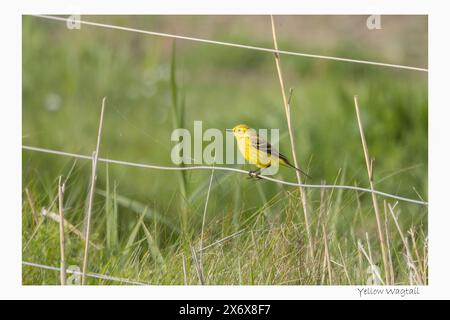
x=261 y=144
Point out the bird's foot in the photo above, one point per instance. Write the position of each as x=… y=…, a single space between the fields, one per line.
x=254 y=174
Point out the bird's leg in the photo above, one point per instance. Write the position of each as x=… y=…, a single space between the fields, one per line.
x=260 y=170
x=254 y=173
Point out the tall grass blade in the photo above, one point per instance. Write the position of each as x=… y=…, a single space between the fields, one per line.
x=112 y=238
x=177 y=118
x=132 y=237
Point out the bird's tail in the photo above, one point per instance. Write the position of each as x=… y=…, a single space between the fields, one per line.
x=294 y=167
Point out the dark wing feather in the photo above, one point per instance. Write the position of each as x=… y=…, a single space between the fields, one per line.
x=261 y=144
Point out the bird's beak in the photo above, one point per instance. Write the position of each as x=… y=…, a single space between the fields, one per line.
x=229 y=130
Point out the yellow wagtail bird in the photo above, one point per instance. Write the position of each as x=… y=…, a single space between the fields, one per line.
x=256 y=150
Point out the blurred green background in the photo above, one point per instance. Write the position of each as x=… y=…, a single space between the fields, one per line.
x=66 y=73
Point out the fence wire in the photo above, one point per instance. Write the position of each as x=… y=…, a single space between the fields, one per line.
x=90 y=275
x=157 y=167
x=229 y=44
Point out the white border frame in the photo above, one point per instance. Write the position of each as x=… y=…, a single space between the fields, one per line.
x=10 y=125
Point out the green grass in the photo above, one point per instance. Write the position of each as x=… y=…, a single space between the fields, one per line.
x=146 y=221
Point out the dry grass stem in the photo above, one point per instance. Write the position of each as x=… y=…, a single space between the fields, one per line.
x=91 y=195
x=327 y=253
x=68 y=226
x=61 y=231
x=185 y=277
x=204 y=218
x=369 y=164
x=425 y=258
x=343 y=264
x=231 y=236
x=412 y=233
x=388 y=242
x=291 y=136
x=373 y=267
x=409 y=257
x=198 y=266
x=31 y=204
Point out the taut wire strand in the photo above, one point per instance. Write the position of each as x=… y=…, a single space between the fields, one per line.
x=91 y=275
x=293 y=184
x=229 y=44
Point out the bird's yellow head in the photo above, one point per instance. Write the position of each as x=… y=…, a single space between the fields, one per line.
x=240 y=130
